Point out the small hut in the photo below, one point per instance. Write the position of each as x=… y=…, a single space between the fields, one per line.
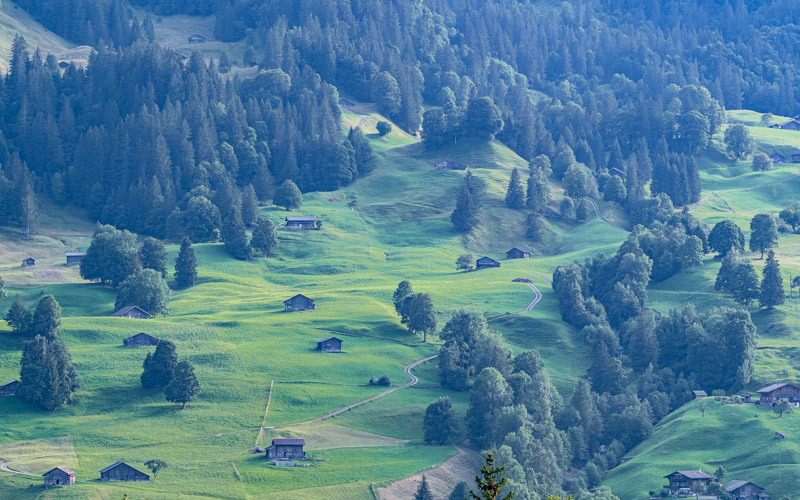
x=286 y=448
x=699 y=394
x=331 y=344
x=9 y=389
x=74 y=258
x=133 y=312
x=141 y=339
x=777 y=158
x=518 y=253
x=486 y=263
x=346 y=103
x=29 y=262
x=780 y=435
x=299 y=303
x=58 y=476
x=120 y=471
x=197 y=39
x=301 y=222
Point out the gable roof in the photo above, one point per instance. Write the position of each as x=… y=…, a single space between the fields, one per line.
x=700 y=393
x=692 y=474
x=288 y=442
x=13 y=382
x=117 y=464
x=127 y=309
x=773 y=387
x=142 y=333
x=487 y=259
x=298 y=296
x=523 y=250
x=330 y=338
x=738 y=483
x=301 y=218
x=62 y=469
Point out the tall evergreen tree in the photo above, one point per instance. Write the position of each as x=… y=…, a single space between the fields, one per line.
x=235 y=237
x=184 y=386
x=421 y=315
x=153 y=255
x=424 y=491
x=158 y=366
x=538 y=191
x=490 y=482
x=249 y=205
x=265 y=236
x=515 y=195
x=465 y=216
x=186 y=265
x=772 y=293
x=47 y=377
x=2 y=288
x=47 y=317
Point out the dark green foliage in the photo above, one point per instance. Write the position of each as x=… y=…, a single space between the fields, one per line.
x=153 y=255
x=482 y=119
x=265 y=236
x=460 y=492
x=155 y=465
x=424 y=491
x=725 y=236
x=158 y=366
x=771 y=293
x=791 y=215
x=2 y=288
x=465 y=216
x=585 y=211
x=439 y=424
x=490 y=482
x=465 y=261
x=383 y=127
x=18 y=317
x=147 y=289
x=762 y=162
x=515 y=195
x=47 y=377
x=199 y=221
x=421 y=315
x=46 y=317
x=614 y=190
x=606 y=372
x=235 y=237
x=288 y=196
x=642 y=344
x=538 y=190
x=184 y=386
x=112 y=256
x=489 y=393
x=567 y=208
x=738 y=141
x=579 y=182
x=738 y=277
x=383 y=380
x=401 y=298
x=676 y=175
x=361 y=148
x=249 y=205
x=186 y=265
x=763 y=233
x=535 y=226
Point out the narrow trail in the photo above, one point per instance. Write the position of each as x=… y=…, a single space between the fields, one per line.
x=537 y=296
x=598 y=213
x=363 y=119
x=266 y=411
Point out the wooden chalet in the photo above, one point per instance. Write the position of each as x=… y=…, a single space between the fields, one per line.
x=777 y=158
x=331 y=344
x=777 y=392
x=746 y=397
x=616 y=171
x=299 y=303
x=301 y=222
x=449 y=165
x=286 y=449
x=74 y=258
x=745 y=490
x=685 y=479
x=58 y=476
x=486 y=263
x=700 y=394
x=140 y=339
x=9 y=389
x=197 y=39
x=133 y=312
x=29 y=262
x=518 y=253
x=120 y=471
x=792 y=124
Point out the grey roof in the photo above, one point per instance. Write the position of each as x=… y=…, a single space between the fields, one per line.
x=736 y=484
x=288 y=442
x=521 y=249
x=301 y=218
x=128 y=309
x=117 y=464
x=485 y=259
x=692 y=474
x=62 y=469
x=142 y=333
x=298 y=296
x=331 y=338
x=13 y=382
x=75 y=254
x=772 y=387
x=700 y=393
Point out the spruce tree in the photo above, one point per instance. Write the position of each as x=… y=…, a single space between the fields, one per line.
x=249 y=206
x=265 y=236
x=18 y=316
x=424 y=491
x=158 y=366
x=47 y=317
x=490 y=482
x=465 y=216
x=538 y=192
x=2 y=288
x=47 y=376
x=184 y=386
x=235 y=237
x=401 y=297
x=186 y=265
x=153 y=255
x=515 y=195
x=771 y=294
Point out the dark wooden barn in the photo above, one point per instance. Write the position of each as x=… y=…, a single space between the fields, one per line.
x=486 y=263
x=120 y=471
x=792 y=124
x=331 y=344
x=346 y=103
x=745 y=490
x=299 y=303
x=777 y=158
x=133 y=312
x=197 y=39
x=58 y=476
x=518 y=253
x=286 y=448
x=9 y=389
x=796 y=157
x=140 y=339
x=301 y=222
x=74 y=258
x=29 y=262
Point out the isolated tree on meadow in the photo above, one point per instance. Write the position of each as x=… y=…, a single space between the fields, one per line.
x=19 y=318
x=771 y=293
x=186 y=265
x=265 y=236
x=515 y=195
x=288 y=196
x=155 y=465
x=763 y=233
x=490 y=481
x=47 y=317
x=465 y=261
x=383 y=127
x=782 y=407
x=153 y=255
x=738 y=141
x=766 y=119
x=47 y=376
x=146 y=289
x=184 y=386
x=424 y=491
x=421 y=315
x=159 y=365
x=702 y=407
x=439 y=423
x=762 y=162
x=725 y=236
x=401 y=297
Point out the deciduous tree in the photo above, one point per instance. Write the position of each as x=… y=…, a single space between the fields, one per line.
x=153 y=255
x=184 y=386
x=146 y=289
x=763 y=233
x=47 y=317
x=288 y=196
x=439 y=424
x=265 y=236
x=738 y=141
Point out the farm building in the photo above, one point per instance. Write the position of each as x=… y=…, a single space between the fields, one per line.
x=9 y=389
x=74 y=258
x=777 y=158
x=301 y=222
x=449 y=165
x=796 y=157
x=777 y=392
x=120 y=471
x=518 y=253
x=780 y=435
x=700 y=394
x=685 y=479
x=286 y=448
x=58 y=476
x=299 y=303
x=745 y=490
x=29 y=262
x=197 y=39
x=792 y=124
x=746 y=397
x=133 y=312
x=140 y=339
x=616 y=171
x=346 y=103
x=331 y=344
x=486 y=263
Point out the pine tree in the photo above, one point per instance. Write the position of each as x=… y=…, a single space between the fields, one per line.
x=465 y=216
x=47 y=376
x=265 y=236
x=771 y=294
x=18 y=316
x=158 y=366
x=403 y=292
x=153 y=255
x=186 y=265
x=515 y=196
x=235 y=237
x=249 y=206
x=2 y=288
x=490 y=482
x=184 y=386
x=424 y=491
x=47 y=317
